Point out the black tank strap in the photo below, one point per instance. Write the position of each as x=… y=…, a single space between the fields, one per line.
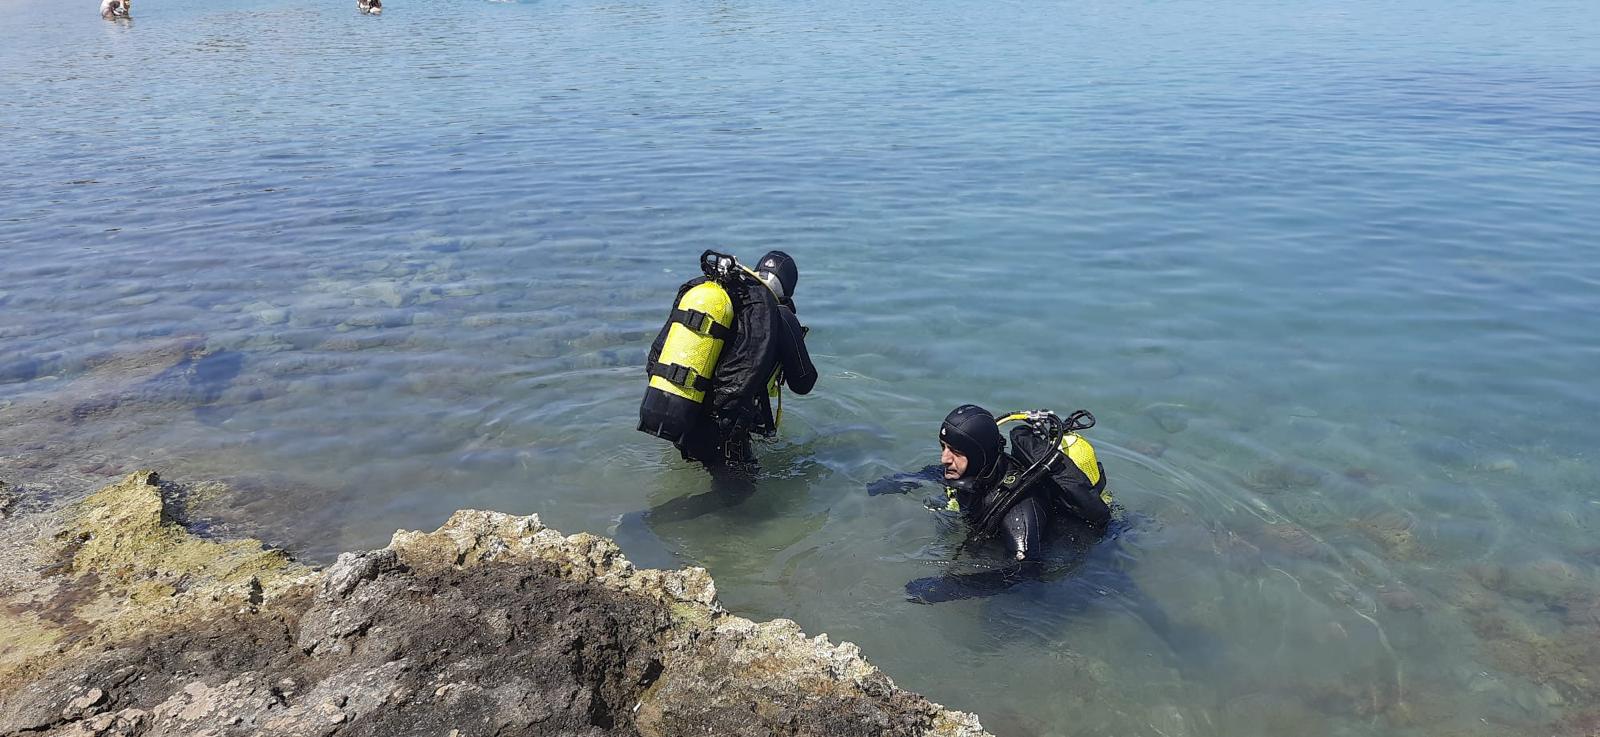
x=700 y=322
x=681 y=375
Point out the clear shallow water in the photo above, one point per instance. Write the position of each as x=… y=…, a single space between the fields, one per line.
x=1326 y=275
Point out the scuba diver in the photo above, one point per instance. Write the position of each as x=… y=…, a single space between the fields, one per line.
x=1046 y=501
x=1044 y=498
x=719 y=364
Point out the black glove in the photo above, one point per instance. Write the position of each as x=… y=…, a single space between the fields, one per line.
x=892 y=485
x=901 y=483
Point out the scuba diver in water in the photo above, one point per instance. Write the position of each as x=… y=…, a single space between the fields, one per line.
x=1044 y=498
x=717 y=371
x=718 y=366
x=1059 y=552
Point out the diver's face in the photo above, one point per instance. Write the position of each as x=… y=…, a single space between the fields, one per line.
x=955 y=464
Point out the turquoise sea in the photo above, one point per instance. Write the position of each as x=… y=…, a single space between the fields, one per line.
x=1328 y=274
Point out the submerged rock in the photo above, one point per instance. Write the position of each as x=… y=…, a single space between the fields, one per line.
x=1547 y=581
x=1291 y=539
x=1398 y=598
x=111 y=395
x=1280 y=477
x=1173 y=418
x=492 y=624
x=1393 y=529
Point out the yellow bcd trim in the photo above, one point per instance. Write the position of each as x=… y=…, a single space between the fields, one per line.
x=693 y=348
x=1082 y=455
x=775 y=392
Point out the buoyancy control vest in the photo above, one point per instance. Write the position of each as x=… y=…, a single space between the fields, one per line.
x=713 y=356
x=1078 y=479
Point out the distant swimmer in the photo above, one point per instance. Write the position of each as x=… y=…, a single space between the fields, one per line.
x=1049 y=490
x=112 y=9
x=718 y=367
x=370 y=7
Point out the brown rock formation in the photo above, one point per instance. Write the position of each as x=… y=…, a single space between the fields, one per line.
x=491 y=625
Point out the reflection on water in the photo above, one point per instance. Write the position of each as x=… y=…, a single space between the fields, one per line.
x=1325 y=276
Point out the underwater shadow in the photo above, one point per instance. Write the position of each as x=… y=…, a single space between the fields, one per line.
x=1081 y=574
x=642 y=533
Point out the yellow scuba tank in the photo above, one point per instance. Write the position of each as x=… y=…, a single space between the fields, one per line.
x=684 y=358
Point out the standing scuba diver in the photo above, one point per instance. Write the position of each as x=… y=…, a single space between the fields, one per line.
x=1049 y=485
x=730 y=344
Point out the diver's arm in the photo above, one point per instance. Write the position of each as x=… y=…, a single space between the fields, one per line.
x=1080 y=496
x=905 y=482
x=957 y=586
x=1024 y=526
x=798 y=373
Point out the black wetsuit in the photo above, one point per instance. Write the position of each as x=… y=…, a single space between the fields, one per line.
x=724 y=439
x=797 y=372
x=1061 y=509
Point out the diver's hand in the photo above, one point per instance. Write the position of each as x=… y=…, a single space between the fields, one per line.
x=892 y=485
x=901 y=483
x=957 y=586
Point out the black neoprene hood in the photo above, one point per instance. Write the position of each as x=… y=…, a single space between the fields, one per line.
x=971 y=431
x=781 y=264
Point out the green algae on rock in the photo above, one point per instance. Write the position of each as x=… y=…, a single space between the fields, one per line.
x=120 y=565
x=126 y=530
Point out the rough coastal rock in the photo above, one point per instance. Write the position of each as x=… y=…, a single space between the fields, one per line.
x=491 y=625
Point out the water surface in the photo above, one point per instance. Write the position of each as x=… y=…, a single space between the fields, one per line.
x=1326 y=274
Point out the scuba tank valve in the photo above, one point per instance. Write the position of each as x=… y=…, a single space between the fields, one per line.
x=722 y=267
x=717 y=265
